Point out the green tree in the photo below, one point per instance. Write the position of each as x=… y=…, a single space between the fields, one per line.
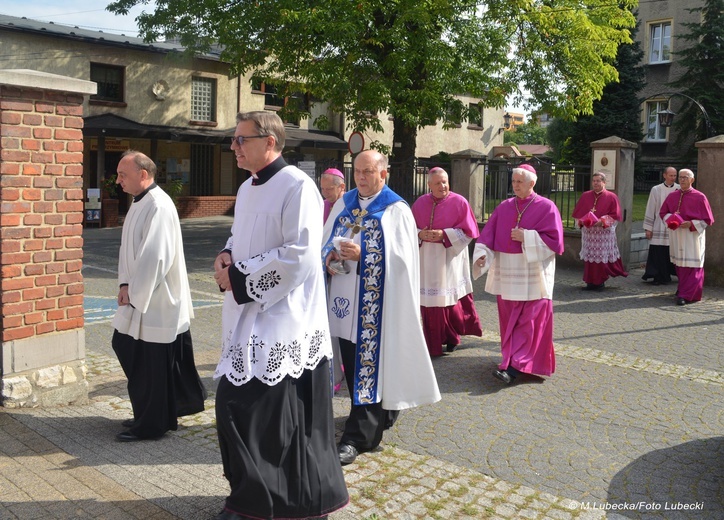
x=703 y=79
x=618 y=112
x=527 y=133
x=408 y=58
x=558 y=134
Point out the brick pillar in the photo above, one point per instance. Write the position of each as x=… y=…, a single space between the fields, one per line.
x=41 y=215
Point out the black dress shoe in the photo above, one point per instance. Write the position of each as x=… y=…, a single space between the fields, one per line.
x=503 y=376
x=681 y=301
x=129 y=437
x=128 y=423
x=347 y=454
x=451 y=348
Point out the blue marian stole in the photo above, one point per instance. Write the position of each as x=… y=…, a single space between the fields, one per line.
x=372 y=286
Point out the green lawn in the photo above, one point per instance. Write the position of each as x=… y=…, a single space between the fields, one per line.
x=565 y=206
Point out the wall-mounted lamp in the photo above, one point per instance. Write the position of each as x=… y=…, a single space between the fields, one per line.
x=507 y=119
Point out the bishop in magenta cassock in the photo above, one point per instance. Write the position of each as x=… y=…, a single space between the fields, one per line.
x=446 y=225
x=597 y=212
x=687 y=214
x=518 y=245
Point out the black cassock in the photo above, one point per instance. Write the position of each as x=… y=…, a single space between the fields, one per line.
x=163 y=383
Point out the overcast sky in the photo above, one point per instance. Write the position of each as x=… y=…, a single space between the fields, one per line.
x=86 y=14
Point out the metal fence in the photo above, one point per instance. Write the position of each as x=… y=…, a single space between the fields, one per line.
x=563 y=184
x=407 y=178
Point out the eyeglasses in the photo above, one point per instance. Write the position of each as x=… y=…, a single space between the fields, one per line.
x=239 y=139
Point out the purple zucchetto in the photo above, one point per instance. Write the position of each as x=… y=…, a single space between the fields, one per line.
x=527 y=167
x=333 y=171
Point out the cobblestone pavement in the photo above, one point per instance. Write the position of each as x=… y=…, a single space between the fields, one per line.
x=629 y=426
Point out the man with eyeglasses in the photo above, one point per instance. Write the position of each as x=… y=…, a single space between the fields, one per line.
x=374 y=309
x=687 y=215
x=274 y=403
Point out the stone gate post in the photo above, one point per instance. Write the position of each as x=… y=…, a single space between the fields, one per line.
x=709 y=181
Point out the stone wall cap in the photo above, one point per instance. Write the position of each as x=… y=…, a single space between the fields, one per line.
x=715 y=141
x=468 y=153
x=26 y=78
x=613 y=141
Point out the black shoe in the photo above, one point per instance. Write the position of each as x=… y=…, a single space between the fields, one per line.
x=128 y=423
x=347 y=454
x=451 y=348
x=681 y=301
x=129 y=437
x=503 y=376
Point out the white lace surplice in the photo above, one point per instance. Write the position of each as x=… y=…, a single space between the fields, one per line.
x=276 y=240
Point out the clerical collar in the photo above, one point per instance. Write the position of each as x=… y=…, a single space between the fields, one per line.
x=367 y=198
x=138 y=197
x=268 y=171
x=672 y=185
x=364 y=202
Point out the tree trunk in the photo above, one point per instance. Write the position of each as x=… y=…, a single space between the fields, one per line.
x=404 y=142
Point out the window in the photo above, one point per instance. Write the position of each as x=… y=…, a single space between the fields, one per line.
x=475 y=115
x=654 y=131
x=271 y=100
x=660 y=42
x=203 y=99
x=109 y=79
x=294 y=103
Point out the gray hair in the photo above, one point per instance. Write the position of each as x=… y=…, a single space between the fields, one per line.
x=686 y=172
x=142 y=161
x=600 y=174
x=435 y=171
x=336 y=179
x=267 y=123
x=527 y=174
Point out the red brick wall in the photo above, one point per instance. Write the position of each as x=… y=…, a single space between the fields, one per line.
x=192 y=207
x=41 y=211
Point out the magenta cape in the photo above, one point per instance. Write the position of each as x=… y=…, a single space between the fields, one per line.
x=607 y=204
x=452 y=212
x=694 y=206
x=542 y=216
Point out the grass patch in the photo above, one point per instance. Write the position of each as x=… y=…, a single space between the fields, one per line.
x=460 y=491
x=471 y=510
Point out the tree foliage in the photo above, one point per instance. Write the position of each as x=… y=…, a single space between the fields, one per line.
x=617 y=113
x=703 y=79
x=527 y=133
x=409 y=58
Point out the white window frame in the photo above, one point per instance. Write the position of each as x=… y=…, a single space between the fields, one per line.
x=659 y=42
x=655 y=133
x=203 y=99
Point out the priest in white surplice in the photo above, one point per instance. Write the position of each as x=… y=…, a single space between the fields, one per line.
x=658 y=264
x=152 y=338
x=274 y=399
x=374 y=309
